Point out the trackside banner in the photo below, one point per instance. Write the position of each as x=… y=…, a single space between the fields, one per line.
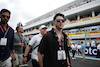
x=91 y=51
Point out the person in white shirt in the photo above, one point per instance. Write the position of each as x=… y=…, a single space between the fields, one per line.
x=78 y=48
x=34 y=43
x=74 y=47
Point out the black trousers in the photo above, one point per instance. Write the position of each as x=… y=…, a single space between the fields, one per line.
x=62 y=63
x=73 y=52
x=35 y=63
x=79 y=52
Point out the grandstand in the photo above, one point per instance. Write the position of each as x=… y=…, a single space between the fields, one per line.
x=82 y=21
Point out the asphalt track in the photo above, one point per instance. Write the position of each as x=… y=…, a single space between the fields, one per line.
x=89 y=62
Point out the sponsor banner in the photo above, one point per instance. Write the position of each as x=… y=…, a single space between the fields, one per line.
x=84 y=19
x=91 y=51
x=80 y=33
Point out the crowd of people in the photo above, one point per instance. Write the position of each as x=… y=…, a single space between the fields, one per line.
x=64 y=10
x=80 y=48
x=48 y=49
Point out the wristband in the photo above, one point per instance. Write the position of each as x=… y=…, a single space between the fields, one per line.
x=68 y=65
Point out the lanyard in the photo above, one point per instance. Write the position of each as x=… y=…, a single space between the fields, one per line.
x=20 y=37
x=59 y=41
x=60 y=44
x=3 y=31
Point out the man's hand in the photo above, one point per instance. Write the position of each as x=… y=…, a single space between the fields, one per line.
x=21 y=44
x=24 y=59
x=14 y=56
x=67 y=34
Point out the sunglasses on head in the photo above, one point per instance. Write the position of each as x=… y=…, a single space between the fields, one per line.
x=5 y=16
x=62 y=20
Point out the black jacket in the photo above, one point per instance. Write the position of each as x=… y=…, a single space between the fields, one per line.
x=49 y=46
x=5 y=50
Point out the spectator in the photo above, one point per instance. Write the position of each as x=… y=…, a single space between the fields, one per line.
x=34 y=43
x=74 y=47
x=83 y=47
x=53 y=49
x=20 y=44
x=6 y=39
x=79 y=47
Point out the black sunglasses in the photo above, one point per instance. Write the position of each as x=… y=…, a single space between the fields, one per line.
x=5 y=16
x=44 y=28
x=58 y=20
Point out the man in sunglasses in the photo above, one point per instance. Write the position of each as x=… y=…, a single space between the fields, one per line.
x=53 y=49
x=6 y=39
x=34 y=43
x=20 y=44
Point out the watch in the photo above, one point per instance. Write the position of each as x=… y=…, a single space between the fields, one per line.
x=24 y=56
x=68 y=65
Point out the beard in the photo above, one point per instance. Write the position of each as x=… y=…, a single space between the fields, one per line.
x=21 y=31
x=4 y=21
x=58 y=27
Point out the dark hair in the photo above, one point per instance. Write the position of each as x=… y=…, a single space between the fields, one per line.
x=81 y=42
x=5 y=10
x=29 y=38
x=58 y=14
x=17 y=28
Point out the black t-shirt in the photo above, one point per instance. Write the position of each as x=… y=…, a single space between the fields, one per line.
x=49 y=46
